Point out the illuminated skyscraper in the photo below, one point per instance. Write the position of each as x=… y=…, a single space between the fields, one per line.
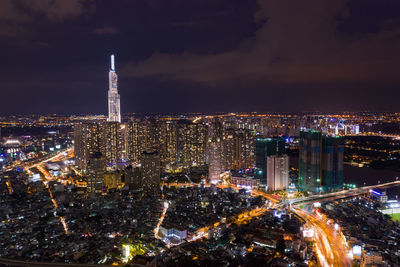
x=87 y=141
x=111 y=146
x=114 y=109
x=245 y=149
x=133 y=142
x=237 y=149
x=141 y=136
x=191 y=143
x=91 y=138
x=229 y=149
x=321 y=161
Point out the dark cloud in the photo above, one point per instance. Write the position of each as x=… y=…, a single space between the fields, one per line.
x=200 y=55
x=105 y=30
x=299 y=42
x=56 y=10
x=17 y=16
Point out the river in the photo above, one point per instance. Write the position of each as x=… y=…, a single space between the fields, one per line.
x=369 y=176
x=365 y=176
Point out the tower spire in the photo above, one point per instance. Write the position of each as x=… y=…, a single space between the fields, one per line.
x=112 y=63
x=114 y=111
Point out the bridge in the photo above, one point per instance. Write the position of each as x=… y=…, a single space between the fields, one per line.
x=342 y=194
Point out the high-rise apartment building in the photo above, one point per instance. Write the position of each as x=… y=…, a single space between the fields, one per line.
x=332 y=177
x=277 y=172
x=310 y=147
x=94 y=137
x=246 y=149
x=229 y=149
x=177 y=142
x=114 y=109
x=192 y=143
x=111 y=144
x=150 y=170
x=170 y=146
x=214 y=162
x=320 y=161
x=87 y=141
x=141 y=136
x=237 y=149
x=95 y=172
x=133 y=141
x=265 y=147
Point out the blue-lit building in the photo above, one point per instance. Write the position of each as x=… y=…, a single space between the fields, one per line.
x=320 y=161
x=173 y=232
x=266 y=147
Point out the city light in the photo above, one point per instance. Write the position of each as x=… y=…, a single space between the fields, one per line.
x=148 y=187
x=376 y=192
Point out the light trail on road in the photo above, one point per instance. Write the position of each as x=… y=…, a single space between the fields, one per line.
x=64 y=225
x=224 y=186
x=76 y=171
x=9 y=187
x=157 y=229
x=29 y=165
x=341 y=194
x=49 y=177
x=331 y=248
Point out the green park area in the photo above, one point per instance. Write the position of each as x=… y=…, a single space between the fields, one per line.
x=395 y=216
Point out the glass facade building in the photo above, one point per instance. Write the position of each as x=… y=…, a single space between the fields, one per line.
x=320 y=161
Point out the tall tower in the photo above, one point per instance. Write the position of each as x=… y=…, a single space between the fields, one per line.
x=321 y=161
x=114 y=110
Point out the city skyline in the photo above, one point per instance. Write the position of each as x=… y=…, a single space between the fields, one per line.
x=200 y=133
x=154 y=188
x=199 y=57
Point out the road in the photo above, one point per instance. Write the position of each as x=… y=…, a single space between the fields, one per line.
x=341 y=194
x=241 y=218
x=48 y=177
x=157 y=229
x=9 y=187
x=330 y=245
x=223 y=186
x=238 y=219
x=265 y=195
x=38 y=161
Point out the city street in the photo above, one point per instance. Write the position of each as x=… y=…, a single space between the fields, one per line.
x=330 y=245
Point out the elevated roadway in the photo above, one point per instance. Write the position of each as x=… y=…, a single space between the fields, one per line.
x=341 y=194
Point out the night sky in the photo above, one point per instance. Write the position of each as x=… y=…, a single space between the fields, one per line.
x=200 y=55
